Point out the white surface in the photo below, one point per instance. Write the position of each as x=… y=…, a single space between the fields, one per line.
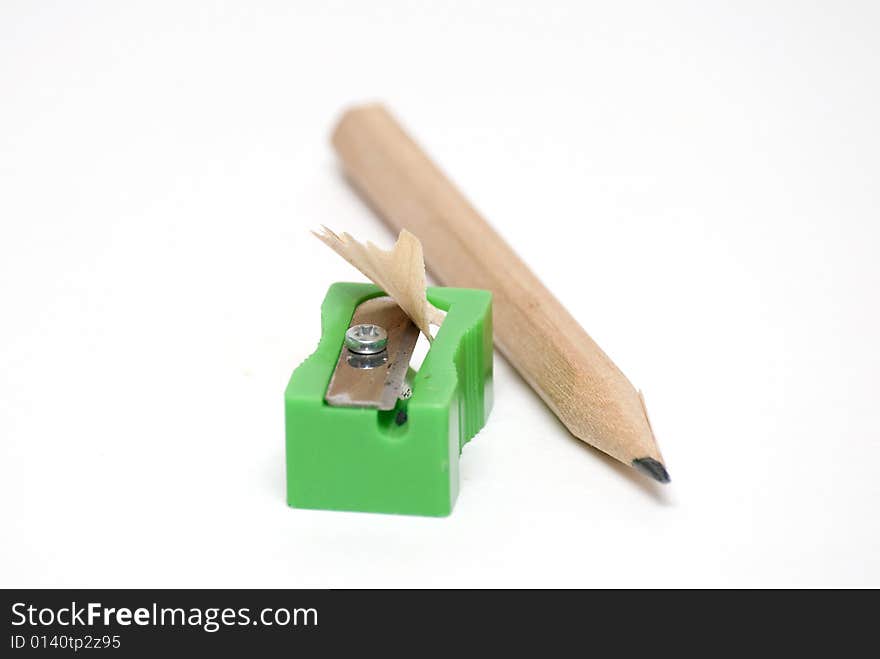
x=713 y=174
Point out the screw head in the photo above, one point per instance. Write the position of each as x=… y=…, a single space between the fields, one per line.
x=366 y=339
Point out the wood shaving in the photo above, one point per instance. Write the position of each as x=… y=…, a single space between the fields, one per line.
x=399 y=272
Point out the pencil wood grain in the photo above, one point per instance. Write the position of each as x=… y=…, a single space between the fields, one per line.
x=545 y=344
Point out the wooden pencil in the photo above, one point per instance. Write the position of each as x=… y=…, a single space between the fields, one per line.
x=551 y=351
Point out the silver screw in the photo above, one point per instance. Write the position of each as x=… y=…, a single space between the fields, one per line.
x=366 y=339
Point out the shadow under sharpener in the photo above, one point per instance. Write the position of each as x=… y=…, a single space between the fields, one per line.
x=361 y=459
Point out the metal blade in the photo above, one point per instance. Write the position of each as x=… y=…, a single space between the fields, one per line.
x=374 y=381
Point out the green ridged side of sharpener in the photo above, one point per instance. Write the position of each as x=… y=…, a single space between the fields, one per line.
x=359 y=459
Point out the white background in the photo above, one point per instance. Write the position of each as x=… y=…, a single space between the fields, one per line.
x=697 y=182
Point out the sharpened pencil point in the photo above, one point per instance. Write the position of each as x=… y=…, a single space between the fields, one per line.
x=650 y=467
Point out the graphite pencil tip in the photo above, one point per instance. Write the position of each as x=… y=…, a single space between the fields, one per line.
x=650 y=467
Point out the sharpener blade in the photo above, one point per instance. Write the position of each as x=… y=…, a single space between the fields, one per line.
x=374 y=381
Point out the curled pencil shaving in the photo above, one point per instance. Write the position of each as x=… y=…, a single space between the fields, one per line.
x=399 y=272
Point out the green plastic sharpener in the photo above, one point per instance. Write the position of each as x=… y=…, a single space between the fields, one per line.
x=365 y=432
